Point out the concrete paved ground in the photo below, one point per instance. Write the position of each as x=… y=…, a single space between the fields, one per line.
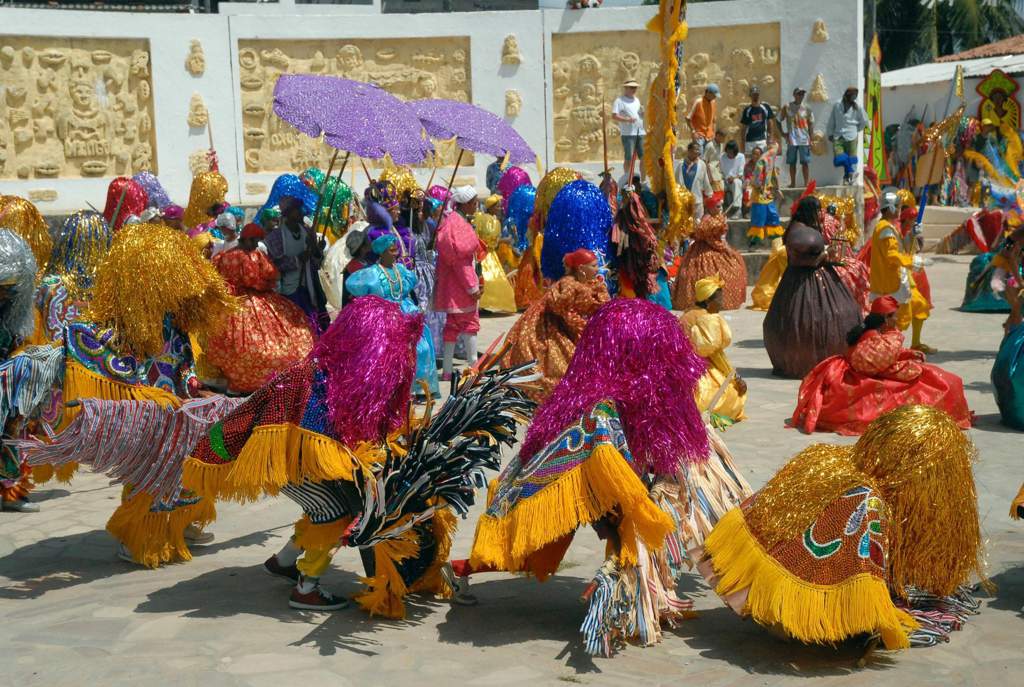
x=72 y=614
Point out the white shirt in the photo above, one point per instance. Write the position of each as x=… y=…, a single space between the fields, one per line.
x=632 y=108
x=733 y=166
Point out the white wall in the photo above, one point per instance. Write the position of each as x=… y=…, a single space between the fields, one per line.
x=897 y=100
x=839 y=60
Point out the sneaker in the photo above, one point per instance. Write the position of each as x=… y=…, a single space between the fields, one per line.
x=460 y=587
x=316 y=600
x=285 y=572
x=197 y=537
x=21 y=506
x=124 y=554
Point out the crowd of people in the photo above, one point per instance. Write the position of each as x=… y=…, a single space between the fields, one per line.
x=197 y=357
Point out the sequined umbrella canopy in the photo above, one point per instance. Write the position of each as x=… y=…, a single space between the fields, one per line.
x=474 y=128
x=352 y=116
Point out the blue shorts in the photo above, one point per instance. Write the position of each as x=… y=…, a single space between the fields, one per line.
x=631 y=144
x=804 y=153
x=764 y=215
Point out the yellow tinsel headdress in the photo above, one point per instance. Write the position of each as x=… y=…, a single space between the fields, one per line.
x=24 y=219
x=402 y=179
x=208 y=189
x=547 y=189
x=919 y=461
x=153 y=271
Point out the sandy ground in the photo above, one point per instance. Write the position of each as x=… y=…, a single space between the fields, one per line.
x=72 y=614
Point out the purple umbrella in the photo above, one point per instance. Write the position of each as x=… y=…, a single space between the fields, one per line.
x=353 y=116
x=474 y=128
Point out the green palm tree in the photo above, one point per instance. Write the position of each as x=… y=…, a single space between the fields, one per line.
x=916 y=31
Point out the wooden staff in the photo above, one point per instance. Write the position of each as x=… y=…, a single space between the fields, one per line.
x=369 y=179
x=334 y=195
x=430 y=181
x=320 y=191
x=117 y=208
x=458 y=161
x=604 y=132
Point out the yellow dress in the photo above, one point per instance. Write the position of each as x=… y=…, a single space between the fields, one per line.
x=887 y=264
x=771 y=275
x=498 y=295
x=710 y=335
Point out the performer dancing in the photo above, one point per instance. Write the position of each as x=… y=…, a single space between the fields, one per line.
x=846 y=392
x=709 y=255
x=547 y=332
x=844 y=539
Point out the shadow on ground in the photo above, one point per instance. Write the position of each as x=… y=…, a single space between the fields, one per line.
x=67 y=561
x=1009 y=593
x=720 y=634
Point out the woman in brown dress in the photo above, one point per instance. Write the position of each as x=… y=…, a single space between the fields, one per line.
x=812 y=309
x=710 y=255
x=548 y=330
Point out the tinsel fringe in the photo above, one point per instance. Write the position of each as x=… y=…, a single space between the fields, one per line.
x=154 y=538
x=604 y=482
x=313 y=537
x=27 y=379
x=809 y=612
x=273 y=456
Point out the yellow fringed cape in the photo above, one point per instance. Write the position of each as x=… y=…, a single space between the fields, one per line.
x=811 y=612
x=534 y=509
x=157 y=535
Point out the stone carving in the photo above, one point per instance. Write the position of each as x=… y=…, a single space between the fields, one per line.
x=513 y=103
x=256 y=189
x=819 y=92
x=588 y=70
x=199 y=161
x=74 y=107
x=198 y=115
x=195 y=63
x=42 y=195
x=510 y=50
x=819 y=34
x=426 y=68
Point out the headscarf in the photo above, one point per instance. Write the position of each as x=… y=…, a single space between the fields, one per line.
x=578 y=258
x=884 y=305
x=18 y=271
x=288 y=185
x=705 y=288
x=491 y=201
x=463 y=194
x=354 y=241
x=381 y=244
x=252 y=231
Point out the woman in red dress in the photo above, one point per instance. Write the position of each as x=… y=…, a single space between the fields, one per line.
x=269 y=333
x=844 y=393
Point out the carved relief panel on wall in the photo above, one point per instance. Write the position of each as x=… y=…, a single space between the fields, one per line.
x=75 y=107
x=588 y=69
x=424 y=68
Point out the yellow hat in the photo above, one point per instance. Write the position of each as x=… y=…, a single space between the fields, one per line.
x=987 y=122
x=705 y=288
x=492 y=200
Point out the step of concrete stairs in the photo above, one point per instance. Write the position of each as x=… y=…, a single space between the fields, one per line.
x=754 y=260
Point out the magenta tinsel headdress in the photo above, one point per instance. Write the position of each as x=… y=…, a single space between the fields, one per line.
x=439 y=192
x=632 y=352
x=513 y=178
x=369 y=356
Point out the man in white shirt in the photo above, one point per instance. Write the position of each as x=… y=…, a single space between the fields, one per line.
x=692 y=173
x=712 y=155
x=733 y=163
x=845 y=123
x=628 y=112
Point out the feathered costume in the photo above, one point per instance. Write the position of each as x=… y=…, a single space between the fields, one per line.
x=622 y=415
x=843 y=540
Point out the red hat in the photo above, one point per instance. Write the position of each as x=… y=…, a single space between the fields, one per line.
x=714 y=200
x=578 y=258
x=908 y=213
x=253 y=231
x=884 y=305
